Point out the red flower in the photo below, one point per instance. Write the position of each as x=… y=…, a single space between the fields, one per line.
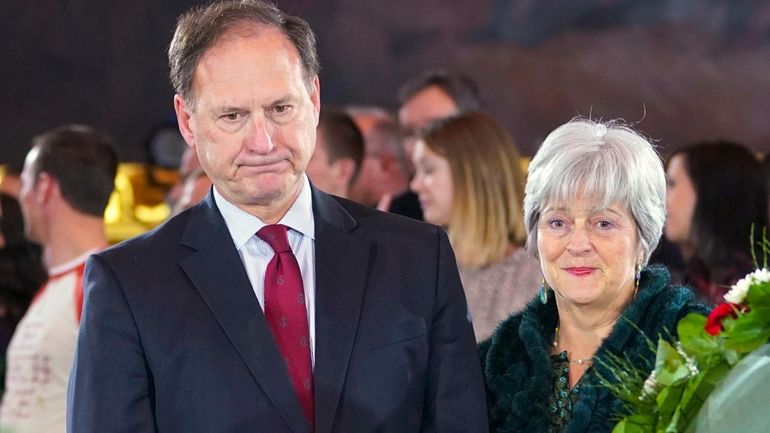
x=714 y=321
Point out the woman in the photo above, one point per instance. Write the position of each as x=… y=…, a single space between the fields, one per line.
x=469 y=180
x=594 y=210
x=716 y=193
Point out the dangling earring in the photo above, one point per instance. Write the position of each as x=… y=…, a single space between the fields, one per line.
x=637 y=276
x=544 y=292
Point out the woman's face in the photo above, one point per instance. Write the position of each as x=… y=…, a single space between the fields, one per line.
x=433 y=184
x=680 y=202
x=588 y=256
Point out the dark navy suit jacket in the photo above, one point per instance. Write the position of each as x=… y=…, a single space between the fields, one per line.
x=173 y=338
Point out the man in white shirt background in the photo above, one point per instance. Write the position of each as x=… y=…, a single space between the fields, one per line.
x=66 y=182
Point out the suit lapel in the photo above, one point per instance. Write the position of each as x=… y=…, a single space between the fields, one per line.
x=341 y=262
x=217 y=273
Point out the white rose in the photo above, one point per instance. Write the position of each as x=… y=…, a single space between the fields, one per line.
x=737 y=293
x=762 y=275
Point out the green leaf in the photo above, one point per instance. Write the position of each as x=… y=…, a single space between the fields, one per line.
x=668 y=400
x=698 y=388
x=635 y=424
x=759 y=295
x=670 y=368
x=745 y=335
x=731 y=356
x=693 y=336
x=760 y=315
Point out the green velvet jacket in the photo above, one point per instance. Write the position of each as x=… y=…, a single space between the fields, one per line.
x=517 y=364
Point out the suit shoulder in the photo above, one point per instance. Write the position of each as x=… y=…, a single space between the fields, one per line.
x=149 y=243
x=370 y=218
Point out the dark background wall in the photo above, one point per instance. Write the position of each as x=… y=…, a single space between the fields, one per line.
x=684 y=70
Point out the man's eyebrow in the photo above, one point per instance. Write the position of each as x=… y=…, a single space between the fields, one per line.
x=227 y=109
x=282 y=100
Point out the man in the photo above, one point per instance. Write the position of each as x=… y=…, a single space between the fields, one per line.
x=434 y=95
x=384 y=170
x=339 y=149
x=217 y=322
x=67 y=180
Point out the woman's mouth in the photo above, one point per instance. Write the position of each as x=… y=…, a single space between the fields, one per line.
x=580 y=271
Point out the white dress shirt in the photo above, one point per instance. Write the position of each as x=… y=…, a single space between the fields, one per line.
x=256 y=253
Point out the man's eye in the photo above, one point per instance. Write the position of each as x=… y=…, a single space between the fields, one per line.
x=280 y=109
x=231 y=116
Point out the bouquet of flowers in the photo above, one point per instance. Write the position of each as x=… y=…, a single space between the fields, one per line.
x=688 y=369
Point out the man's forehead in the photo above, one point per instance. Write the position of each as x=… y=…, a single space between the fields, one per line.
x=261 y=56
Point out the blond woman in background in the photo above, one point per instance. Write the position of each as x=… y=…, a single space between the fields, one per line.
x=469 y=180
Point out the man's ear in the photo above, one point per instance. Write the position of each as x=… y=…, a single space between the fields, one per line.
x=344 y=168
x=315 y=97
x=183 y=119
x=46 y=188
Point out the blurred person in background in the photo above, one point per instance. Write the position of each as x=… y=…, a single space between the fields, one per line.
x=67 y=180
x=192 y=186
x=469 y=180
x=21 y=273
x=385 y=170
x=338 y=153
x=433 y=95
x=716 y=194
x=594 y=210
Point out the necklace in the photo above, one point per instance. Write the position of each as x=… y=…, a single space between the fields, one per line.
x=579 y=361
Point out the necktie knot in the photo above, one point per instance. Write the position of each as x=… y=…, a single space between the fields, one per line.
x=276 y=236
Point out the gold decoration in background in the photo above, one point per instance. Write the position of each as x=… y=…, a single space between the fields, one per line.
x=137 y=205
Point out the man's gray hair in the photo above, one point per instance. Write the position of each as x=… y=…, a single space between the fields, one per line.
x=201 y=27
x=606 y=163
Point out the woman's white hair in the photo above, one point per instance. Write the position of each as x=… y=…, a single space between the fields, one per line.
x=605 y=162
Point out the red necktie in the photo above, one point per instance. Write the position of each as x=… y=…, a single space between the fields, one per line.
x=286 y=315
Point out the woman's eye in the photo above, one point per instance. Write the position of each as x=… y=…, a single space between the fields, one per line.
x=605 y=224
x=556 y=224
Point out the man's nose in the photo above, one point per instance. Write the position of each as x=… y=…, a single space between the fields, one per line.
x=259 y=138
x=416 y=183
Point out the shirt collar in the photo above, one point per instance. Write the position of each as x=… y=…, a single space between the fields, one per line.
x=63 y=268
x=243 y=225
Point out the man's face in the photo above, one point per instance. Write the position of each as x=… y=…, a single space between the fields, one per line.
x=31 y=207
x=420 y=110
x=255 y=117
